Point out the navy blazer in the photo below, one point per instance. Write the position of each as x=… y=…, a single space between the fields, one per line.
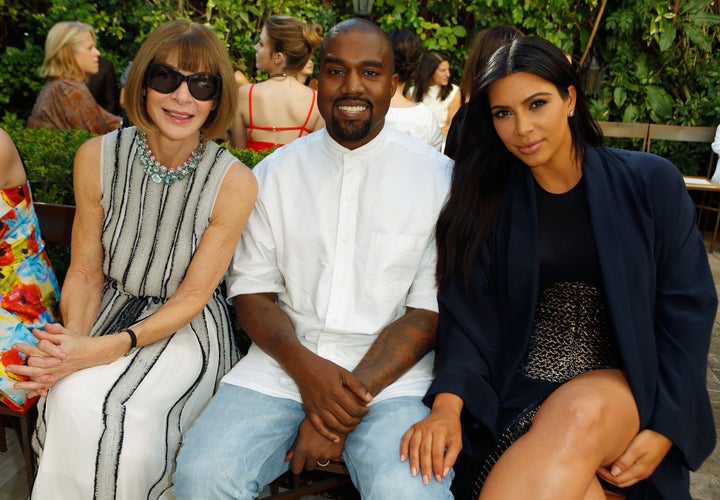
x=661 y=302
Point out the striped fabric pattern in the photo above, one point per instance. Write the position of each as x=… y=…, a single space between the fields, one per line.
x=150 y=233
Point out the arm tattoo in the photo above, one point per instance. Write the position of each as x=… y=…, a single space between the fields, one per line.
x=398 y=348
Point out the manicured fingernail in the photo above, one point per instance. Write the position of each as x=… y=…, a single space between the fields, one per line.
x=446 y=471
x=615 y=470
x=438 y=478
x=402 y=458
x=426 y=479
x=413 y=471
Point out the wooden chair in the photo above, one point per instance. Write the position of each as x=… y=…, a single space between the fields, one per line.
x=55 y=221
x=628 y=130
x=682 y=133
x=322 y=479
x=56 y=227
x=24 y=424
x=706 y=192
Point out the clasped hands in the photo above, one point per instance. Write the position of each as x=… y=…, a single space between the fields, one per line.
x=335 y=401
x=57 y=355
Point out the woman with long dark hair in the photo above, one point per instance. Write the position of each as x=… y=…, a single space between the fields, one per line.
x=434 y=88
x=576 y=302
x=413 y=118
x=482 y=48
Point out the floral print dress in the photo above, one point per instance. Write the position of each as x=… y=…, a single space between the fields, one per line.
x=29 y=292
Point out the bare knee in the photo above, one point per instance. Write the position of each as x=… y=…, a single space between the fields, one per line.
x=594 y=414
x=577 y=422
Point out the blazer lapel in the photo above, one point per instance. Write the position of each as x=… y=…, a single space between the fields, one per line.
x=606 y=227
x=522 y=268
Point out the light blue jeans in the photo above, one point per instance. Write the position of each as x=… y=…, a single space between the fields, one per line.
x=238 y=445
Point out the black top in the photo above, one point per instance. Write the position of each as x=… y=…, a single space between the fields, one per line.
x=452 y=142
x=104 y=87
x=567 y=244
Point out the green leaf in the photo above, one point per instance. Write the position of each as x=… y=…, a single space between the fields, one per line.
x=630 y=114
x=619 y=96
x=459 y=31
x=698 y=37
x=705 y=19
x=659 y=102
x=667 y=37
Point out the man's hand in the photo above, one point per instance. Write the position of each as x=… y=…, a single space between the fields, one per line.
x=311 y=449
x=334 y=399
x=643 y=455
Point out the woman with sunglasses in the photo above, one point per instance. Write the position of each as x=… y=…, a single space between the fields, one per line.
x=146 y=334
x=280 y=109
x=576 y=302
x=65 y=102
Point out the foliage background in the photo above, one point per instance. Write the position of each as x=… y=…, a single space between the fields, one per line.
x=658 y=59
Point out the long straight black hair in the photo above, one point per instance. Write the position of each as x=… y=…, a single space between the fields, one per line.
x=483 y=164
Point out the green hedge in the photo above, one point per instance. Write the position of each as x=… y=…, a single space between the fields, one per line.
x=48 y=155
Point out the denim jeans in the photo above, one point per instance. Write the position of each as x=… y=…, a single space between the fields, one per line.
x=238 y=446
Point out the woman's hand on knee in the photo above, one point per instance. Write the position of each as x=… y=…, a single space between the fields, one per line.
x=639 y=461
x=433 y=444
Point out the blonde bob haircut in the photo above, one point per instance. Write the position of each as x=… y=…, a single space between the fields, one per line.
x=60 y=46
x=197 y=49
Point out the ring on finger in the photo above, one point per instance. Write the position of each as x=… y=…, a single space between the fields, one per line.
x=325 y=464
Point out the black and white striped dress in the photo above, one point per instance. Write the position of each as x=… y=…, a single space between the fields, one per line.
x=113 y=431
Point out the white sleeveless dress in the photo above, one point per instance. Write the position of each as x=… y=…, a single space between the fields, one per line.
x=113 y=431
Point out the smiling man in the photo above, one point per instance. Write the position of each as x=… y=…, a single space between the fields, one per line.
x=334 y=281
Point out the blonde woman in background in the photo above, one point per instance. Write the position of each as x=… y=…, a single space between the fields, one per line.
x=280 y=109
x=65 y=102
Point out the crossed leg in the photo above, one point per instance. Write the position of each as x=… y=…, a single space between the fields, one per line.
x=584 y=424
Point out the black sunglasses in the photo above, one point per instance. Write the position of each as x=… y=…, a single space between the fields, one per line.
x=166 y=79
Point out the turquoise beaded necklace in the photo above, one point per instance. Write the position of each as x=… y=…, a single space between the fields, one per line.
x=158 y=172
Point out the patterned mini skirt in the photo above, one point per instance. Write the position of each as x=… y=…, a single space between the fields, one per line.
x=571 y=335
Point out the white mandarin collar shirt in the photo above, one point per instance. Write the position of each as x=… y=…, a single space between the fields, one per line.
x=346 y=240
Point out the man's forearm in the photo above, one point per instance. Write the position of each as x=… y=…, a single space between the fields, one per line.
x=398 y=348
x=333 y=398
x=267 y=325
